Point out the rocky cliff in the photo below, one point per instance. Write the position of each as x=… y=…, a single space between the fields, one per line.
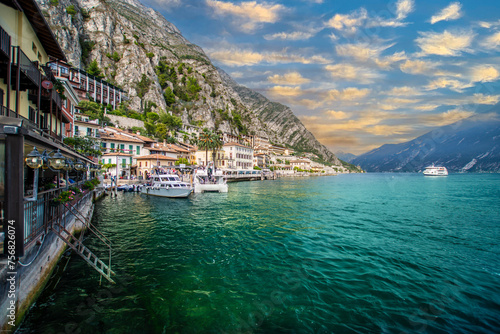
x=129 y=40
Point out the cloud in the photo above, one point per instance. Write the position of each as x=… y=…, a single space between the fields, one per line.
x=348 y=22
x=233 y=56
x=336 y=114
x=293 y=36
x=445 y=118
x=360 y=51
x=485 y=73
x=348 y=94
x=404 y=91
x=292 y=78
x=403 y=8
x=352 y=73
x=491 y=42
x=286 y=91
x=452 y=12
x=485 y=99
x=452 y=84
x=248 y=15
x=418 y=67
x=444 y=44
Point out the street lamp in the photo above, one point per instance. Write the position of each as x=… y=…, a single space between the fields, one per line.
x=34 y=160
x=68 y=165
x=57 y=161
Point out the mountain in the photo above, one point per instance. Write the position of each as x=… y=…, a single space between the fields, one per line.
x=471 y=145
x=348 y=157
x=137 y=49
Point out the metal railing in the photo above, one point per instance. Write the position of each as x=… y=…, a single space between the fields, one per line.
x=4 y=42
x=42 y=214
x=28 y=68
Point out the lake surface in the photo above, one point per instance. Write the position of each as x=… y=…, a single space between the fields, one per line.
x=372 y=253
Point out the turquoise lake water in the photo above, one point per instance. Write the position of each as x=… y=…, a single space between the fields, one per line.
x=372 y=253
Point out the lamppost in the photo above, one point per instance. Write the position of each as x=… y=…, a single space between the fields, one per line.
x=35 y=160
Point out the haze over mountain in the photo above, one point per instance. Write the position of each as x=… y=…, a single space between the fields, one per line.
x=470 y=145
x=129 y=40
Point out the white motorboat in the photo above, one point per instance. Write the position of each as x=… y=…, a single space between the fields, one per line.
x=435 y=171
x=167 y=185
x=203 y=181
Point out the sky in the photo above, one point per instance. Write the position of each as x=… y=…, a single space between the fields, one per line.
x=358 y=74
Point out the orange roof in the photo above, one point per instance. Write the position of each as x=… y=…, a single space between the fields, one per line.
x=117 y=154
x=236 y=144
x=114 y=136
x=155 y=157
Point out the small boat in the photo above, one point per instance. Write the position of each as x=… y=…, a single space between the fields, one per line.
x=203 y=181
x=435 y=171
x=167 y=185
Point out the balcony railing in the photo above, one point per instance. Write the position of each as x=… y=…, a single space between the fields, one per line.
x=28 y=68
x=41 y=214
x=4 y=43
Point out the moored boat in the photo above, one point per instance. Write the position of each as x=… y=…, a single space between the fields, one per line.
x=167 y=185
x=435 y=171
x=203 y=181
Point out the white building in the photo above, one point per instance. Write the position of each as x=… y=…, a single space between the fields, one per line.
x=238 y=156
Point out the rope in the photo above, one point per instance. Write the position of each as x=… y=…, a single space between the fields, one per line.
x=38 y=252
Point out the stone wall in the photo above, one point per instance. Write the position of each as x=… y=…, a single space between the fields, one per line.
x=125 y=122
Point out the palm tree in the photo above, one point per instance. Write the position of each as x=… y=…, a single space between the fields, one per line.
x=216 y=145
x=205 y=142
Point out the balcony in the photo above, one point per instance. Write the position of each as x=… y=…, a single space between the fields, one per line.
x=30 y=76
x=47 y=96
x=4 y=44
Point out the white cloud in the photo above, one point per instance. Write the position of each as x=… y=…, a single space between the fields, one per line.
x=248 y=15
x=360 y=51
x=452 y=12
x=233 y=56
x=491 y=42
x=348 y=22
x=352 y=73
x=403 y=8
x=348 y=94
x=418 y=67
x=452 y=84
x=286 y=91
x=292 y=78
x=485 y=99
x=484 y=73
x=292 y=36
x=445 y=44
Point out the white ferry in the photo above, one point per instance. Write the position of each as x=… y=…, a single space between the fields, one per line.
x=435 y=171
x=204 y=181
x=167 y=185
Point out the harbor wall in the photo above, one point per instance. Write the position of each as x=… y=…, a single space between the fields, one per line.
x=21 y=286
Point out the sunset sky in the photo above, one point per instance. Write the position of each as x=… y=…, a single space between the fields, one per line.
x=358 y=74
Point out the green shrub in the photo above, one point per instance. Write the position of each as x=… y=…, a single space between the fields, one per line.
x=71 y=10
x=150 y=55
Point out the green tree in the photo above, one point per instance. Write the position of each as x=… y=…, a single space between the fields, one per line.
x=93 y=69
x=142 y=87
x=84 y=145
x=216 y=145
x=71 y=10
x=172 y=122
x=161 y=131
x=209 y=140
x=169 y=96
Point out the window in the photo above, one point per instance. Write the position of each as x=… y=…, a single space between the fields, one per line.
x=146 y=164
x=34 y=48
x=112 y=145
x=103 y=144
x=130 y=149
x=140 y=164
x=138 y=149
x=40 y=57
